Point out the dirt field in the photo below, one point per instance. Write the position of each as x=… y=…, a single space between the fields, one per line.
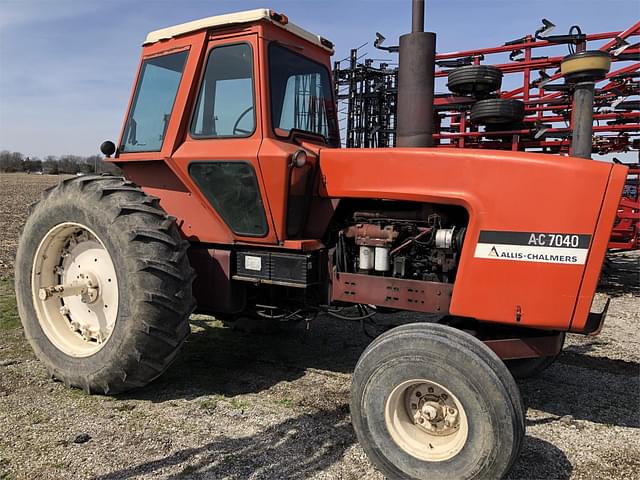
x=276 y=407
x=17 y=192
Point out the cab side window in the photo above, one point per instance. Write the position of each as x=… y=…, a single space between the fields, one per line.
x=153 y=102
x=232 y=189
x=226 y=104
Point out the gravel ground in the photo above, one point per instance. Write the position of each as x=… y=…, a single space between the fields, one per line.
x=254 y=406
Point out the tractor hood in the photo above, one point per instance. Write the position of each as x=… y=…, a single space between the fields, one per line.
x=538 y=224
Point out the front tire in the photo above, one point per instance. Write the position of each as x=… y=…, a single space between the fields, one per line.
x=432 y=402
x=122 y=315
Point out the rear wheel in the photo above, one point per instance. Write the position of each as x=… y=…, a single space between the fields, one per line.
x=103 y=284
x=72 y=264
x=429 y=401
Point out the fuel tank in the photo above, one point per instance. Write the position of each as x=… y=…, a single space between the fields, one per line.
x=538 y=224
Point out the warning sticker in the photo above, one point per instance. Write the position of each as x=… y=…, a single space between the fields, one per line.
x=567 y=248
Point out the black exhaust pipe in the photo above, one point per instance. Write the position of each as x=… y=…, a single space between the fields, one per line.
x=414 y=113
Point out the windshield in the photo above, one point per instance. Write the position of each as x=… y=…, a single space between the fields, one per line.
x=300 y=95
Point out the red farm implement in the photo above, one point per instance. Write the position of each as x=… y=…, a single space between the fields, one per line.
x=626 y=231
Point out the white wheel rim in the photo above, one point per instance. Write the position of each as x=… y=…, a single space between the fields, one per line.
x=426 y=420
x=71 y=255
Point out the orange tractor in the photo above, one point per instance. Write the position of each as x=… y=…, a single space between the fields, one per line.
x=236 y=200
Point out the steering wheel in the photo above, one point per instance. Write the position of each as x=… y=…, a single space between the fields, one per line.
x=235 y=125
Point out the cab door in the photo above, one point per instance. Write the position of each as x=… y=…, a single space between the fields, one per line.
x=220 y=151
x=301 y=111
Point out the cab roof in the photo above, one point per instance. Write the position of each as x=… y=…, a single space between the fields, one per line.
x=247 y=16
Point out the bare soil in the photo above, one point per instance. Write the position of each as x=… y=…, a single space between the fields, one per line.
x=17 y=192
x=256 y=406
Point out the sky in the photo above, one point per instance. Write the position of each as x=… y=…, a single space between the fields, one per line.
x=67 y=66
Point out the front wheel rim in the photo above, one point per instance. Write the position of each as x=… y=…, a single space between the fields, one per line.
x=75 y=289
x=426 y=420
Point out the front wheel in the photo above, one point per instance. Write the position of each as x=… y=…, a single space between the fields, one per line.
x=432 y=402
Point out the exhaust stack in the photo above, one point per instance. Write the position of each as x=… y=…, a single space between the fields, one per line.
x=415 y=83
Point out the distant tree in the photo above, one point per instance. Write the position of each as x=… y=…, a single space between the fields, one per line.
x=5 y=161
x=17 y=159
x=91 y=163
x=85 y=167
x=11 y=161
x=70 y=164
x=102 y=166
x=50 y=165
x=32 y=164
x=66 y=164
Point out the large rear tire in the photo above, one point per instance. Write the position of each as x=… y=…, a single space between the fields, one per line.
x=432 y=402
x=122 y=315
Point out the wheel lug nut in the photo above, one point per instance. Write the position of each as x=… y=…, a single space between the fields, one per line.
x=430 y=389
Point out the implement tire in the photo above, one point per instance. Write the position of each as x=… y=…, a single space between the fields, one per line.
x=126 y=325
x=497 y=111
x=477 y=80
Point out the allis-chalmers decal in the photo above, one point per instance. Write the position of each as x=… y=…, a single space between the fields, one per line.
x=568 y=248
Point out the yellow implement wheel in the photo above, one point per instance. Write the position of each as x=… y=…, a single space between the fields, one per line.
x=592 y=65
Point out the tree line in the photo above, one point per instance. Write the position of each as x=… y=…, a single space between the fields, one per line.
x=52 y=165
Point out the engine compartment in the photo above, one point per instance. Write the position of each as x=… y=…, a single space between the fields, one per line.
x=416 y=242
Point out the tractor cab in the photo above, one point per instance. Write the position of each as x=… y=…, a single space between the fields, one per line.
x=220 y=105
